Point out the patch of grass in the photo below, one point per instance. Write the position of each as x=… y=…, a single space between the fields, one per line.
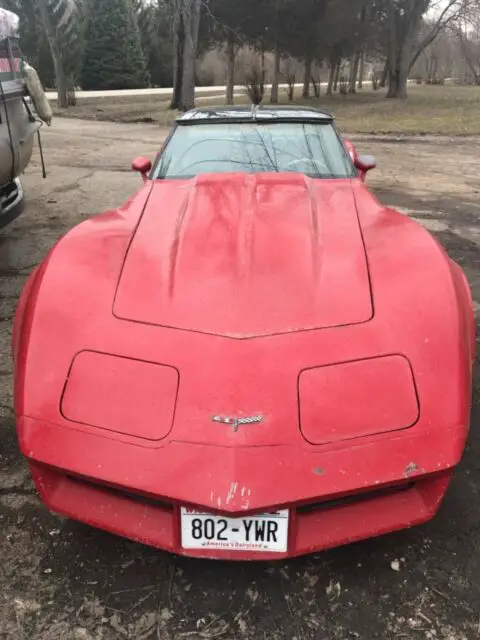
x=143 y=108
x=429 y=110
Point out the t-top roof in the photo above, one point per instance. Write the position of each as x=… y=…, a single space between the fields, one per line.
x=254 y=113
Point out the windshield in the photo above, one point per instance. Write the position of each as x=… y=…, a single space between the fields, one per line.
x=311 y=149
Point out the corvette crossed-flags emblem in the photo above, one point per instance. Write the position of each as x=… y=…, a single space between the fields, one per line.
x=236 y=423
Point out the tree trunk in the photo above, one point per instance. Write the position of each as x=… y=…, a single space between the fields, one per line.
x=399 y=69
x=385 y=72
x=263 y=71
x=331 y=74
x=432 y=68
x=361 y=71
x=352 y=81
x=398 y=76
x=403 y=29
x=65 y=98
x=276 y=75
x=62 y=83
x=66 y=92
x=307 y=76
x=392 y=84
x=192 y=24
x=291 y=87
x=337 y=74
x=277 y=57
x=472 y=61
x=360 y=56
x=178 y=53
x=331 y=80
x=230 y=68
x=397 y=84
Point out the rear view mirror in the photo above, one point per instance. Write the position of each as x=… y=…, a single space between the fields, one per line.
x=142 y=165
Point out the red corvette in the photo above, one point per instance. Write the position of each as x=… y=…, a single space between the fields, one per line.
x=252 y=358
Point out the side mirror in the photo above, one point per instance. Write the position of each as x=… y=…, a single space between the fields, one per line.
x=142 y=165
x=364 y=164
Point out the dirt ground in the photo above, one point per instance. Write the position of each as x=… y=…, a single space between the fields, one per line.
x=62 y=580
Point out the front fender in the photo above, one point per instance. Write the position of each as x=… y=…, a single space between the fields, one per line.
x=20 y=311
x=465 y=301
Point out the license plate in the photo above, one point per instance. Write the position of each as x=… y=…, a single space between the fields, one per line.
x=264 y=532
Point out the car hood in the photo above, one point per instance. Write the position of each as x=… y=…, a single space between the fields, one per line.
x=245 y=256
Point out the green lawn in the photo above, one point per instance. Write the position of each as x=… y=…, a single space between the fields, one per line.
x=428 y=110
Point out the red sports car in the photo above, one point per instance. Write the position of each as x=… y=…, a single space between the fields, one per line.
x=250 y=359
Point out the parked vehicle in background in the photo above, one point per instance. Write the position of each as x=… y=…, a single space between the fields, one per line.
x=18 y=123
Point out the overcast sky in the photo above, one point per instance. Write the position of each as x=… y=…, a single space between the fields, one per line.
x=437 y=5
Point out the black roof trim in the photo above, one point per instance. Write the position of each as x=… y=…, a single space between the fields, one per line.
x=255 y=113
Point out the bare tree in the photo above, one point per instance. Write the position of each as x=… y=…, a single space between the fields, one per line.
x=289 y=72
x=338 y=70
x=231 y=55
x=255 y=81
x=178 y=50
x=276 y=74
x=361 y=72
x=436 y=62
x=316 y=85
x=468 y=33
x=384 y=75
x=231 y=28
x=191 y=20
x=397 y=31
x=277 y=53
x=331 y=72
x=404 y=22
x=358 y=35
x=307 y=75
x=471 y=53
x=60 y=22
x=354 y=67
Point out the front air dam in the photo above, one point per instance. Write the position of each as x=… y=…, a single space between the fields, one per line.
x=356 y=399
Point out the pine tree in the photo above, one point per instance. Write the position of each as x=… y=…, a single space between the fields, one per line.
x=155 y=23
x=113 y=56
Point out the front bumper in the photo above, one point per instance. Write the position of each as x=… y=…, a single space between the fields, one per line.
x=12 y=202
x=336 y=495
x=313 y=527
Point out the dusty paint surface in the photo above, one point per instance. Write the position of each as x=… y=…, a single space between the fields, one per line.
x=61 y=580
